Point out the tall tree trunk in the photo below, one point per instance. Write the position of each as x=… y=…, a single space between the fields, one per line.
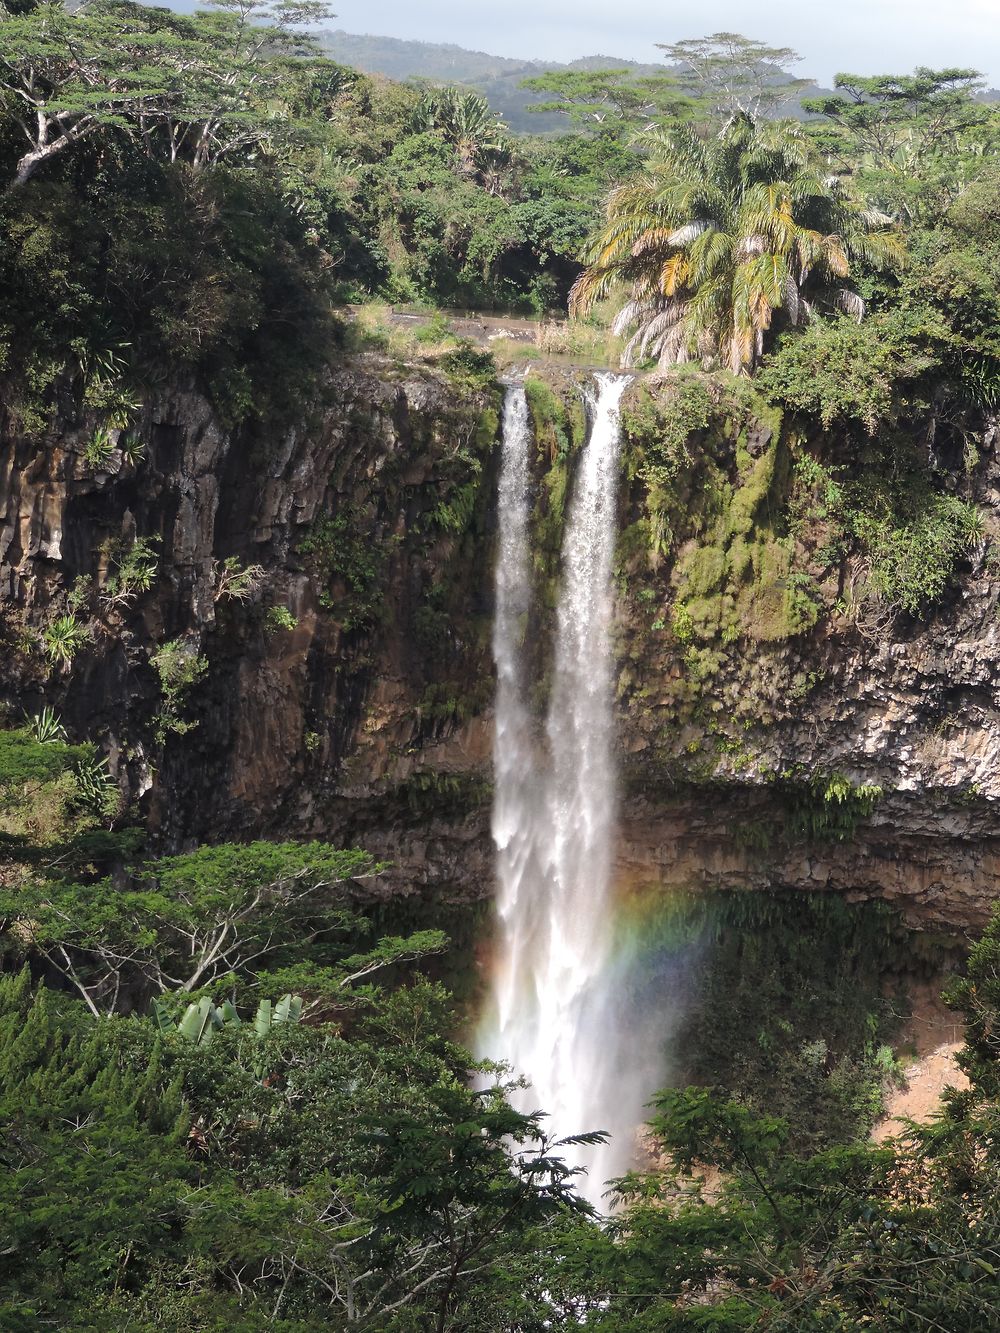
x=42 y=152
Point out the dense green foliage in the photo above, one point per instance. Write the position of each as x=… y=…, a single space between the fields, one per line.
x=338 y=1169
x=859 y=500
x=200 y=195
x=56 y=801
x=912 y=139
x=324 y=1158
x=902 y=1237
x=296 y=1179
x=330 y=1145
x=795 y=1009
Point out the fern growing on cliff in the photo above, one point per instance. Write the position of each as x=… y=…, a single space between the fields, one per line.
x=62 y=639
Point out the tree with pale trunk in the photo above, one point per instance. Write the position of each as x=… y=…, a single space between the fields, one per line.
x=192 y=88
x=186 y=922
x=729 y=72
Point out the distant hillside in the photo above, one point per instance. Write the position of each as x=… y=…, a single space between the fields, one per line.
x=497 y=77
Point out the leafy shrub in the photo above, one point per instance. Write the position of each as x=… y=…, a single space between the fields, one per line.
x=97 y=789
x=62 y=639
x=454 y=514
x=435 y=331
x=838 y=370
x=46 y=727
x=133 y=570
x=278 y=618
x=54 y=799
x=25 y=759
x=913 y=540
x=829 y=807
x=470 y=367
x=99 y=449
x=342 y=551
x=179 y=667
x=235 y=582
x=660 y=425
x=133 y=449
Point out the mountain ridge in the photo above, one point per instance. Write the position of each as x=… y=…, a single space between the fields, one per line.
x=497 y=77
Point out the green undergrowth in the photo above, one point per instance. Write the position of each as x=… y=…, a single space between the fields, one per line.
x=913 y=537
x=127 y=269
x=800 y=1002
x=842 y=373
x=744 y=529
x=58 y=804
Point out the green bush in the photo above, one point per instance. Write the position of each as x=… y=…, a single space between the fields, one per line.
x=279 y=618
x=341 y=551
x=913 y=538
x=63 y=638
x=132 y=571
x=179 y=667
x=659 y=426
x=109 y=281
x=868 y=373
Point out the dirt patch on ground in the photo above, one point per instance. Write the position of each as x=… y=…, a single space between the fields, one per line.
x=934 y=1033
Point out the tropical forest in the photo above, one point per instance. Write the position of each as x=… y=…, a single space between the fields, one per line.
x=499 y=677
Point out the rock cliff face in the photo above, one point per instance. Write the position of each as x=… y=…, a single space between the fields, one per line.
x=368 y=525
x=850 y=750
x=749 y=759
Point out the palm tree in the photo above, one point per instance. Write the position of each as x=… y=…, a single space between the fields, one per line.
x=713 y=239
x=466 y=121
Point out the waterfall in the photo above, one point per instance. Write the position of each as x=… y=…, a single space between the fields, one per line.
x=558 y=1014
x=516 y=783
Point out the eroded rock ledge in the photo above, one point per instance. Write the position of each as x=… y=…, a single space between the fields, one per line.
x=370 y=719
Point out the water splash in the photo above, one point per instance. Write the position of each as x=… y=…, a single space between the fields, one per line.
x=560 y=1005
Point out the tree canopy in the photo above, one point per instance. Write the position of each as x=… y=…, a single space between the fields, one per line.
x=193 y=87
x=731 y=73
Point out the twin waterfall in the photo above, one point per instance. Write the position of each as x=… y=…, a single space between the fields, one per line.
x=557 y=1011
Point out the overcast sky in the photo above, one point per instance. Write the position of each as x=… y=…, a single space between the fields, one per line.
x=861 y=36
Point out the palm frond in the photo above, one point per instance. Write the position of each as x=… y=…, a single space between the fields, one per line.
x=711 y=252
x=834 y=257
x=850 y=302
x=712 y=238
x=673 y=275
x=690 y=231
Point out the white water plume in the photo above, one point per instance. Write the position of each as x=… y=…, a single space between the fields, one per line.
x=559 y=1009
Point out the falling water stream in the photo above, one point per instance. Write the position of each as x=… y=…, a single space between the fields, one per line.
x=558 y=1004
